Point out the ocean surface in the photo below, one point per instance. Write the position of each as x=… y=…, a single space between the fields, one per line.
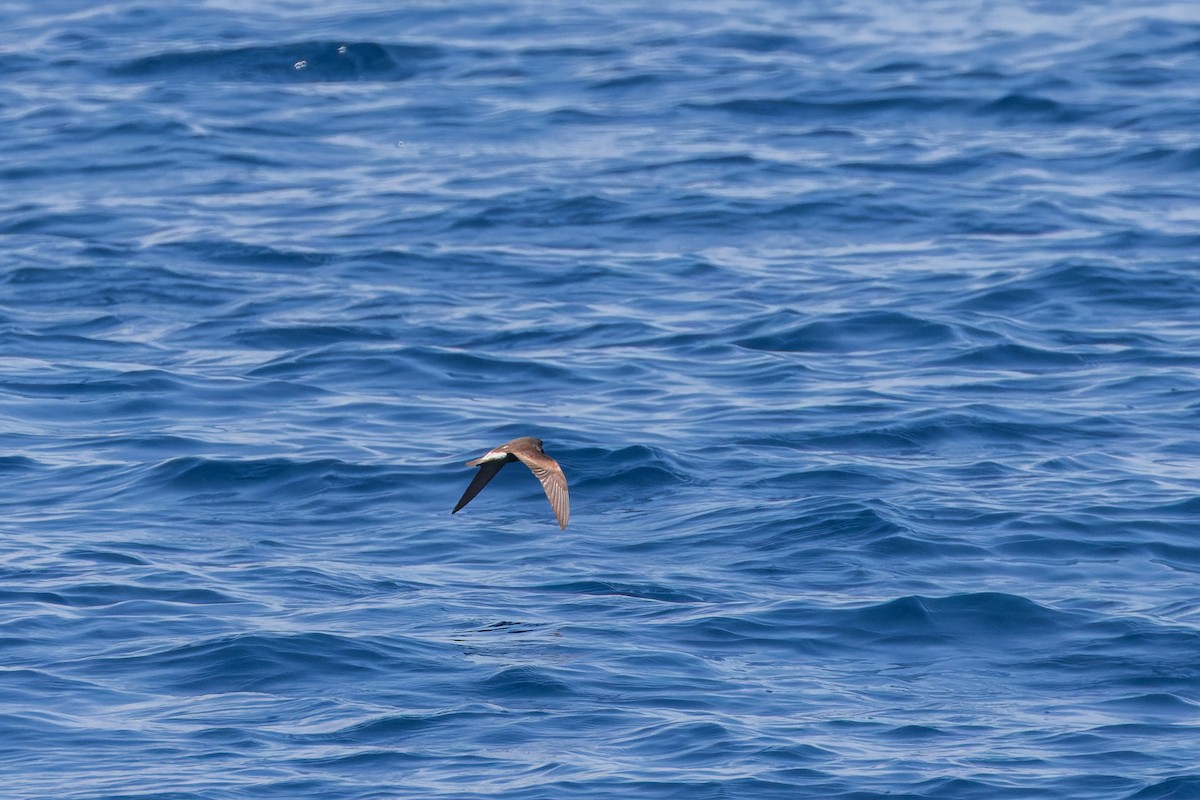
x=867 y=334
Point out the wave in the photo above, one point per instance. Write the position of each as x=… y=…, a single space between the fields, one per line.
x=326 y=61
x=255 y=662
x=855 y=333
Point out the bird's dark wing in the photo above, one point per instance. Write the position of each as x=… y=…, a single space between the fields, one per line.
x=487 y=471
x=553 y=481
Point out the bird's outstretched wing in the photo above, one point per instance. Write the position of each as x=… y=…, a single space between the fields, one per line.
x=487 y=471
x=553 y=481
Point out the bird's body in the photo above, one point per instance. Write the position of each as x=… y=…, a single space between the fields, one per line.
x=528 y=451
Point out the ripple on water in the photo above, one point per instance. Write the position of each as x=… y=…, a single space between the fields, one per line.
x=867 y=344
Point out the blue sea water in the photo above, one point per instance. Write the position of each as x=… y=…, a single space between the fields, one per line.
x=867 y=334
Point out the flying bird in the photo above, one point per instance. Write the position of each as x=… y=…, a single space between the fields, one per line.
x=528 y=451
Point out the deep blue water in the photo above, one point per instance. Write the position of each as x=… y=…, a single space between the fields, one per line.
x=867 y=334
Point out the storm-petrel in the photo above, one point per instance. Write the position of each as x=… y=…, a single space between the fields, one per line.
x=528 y=451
